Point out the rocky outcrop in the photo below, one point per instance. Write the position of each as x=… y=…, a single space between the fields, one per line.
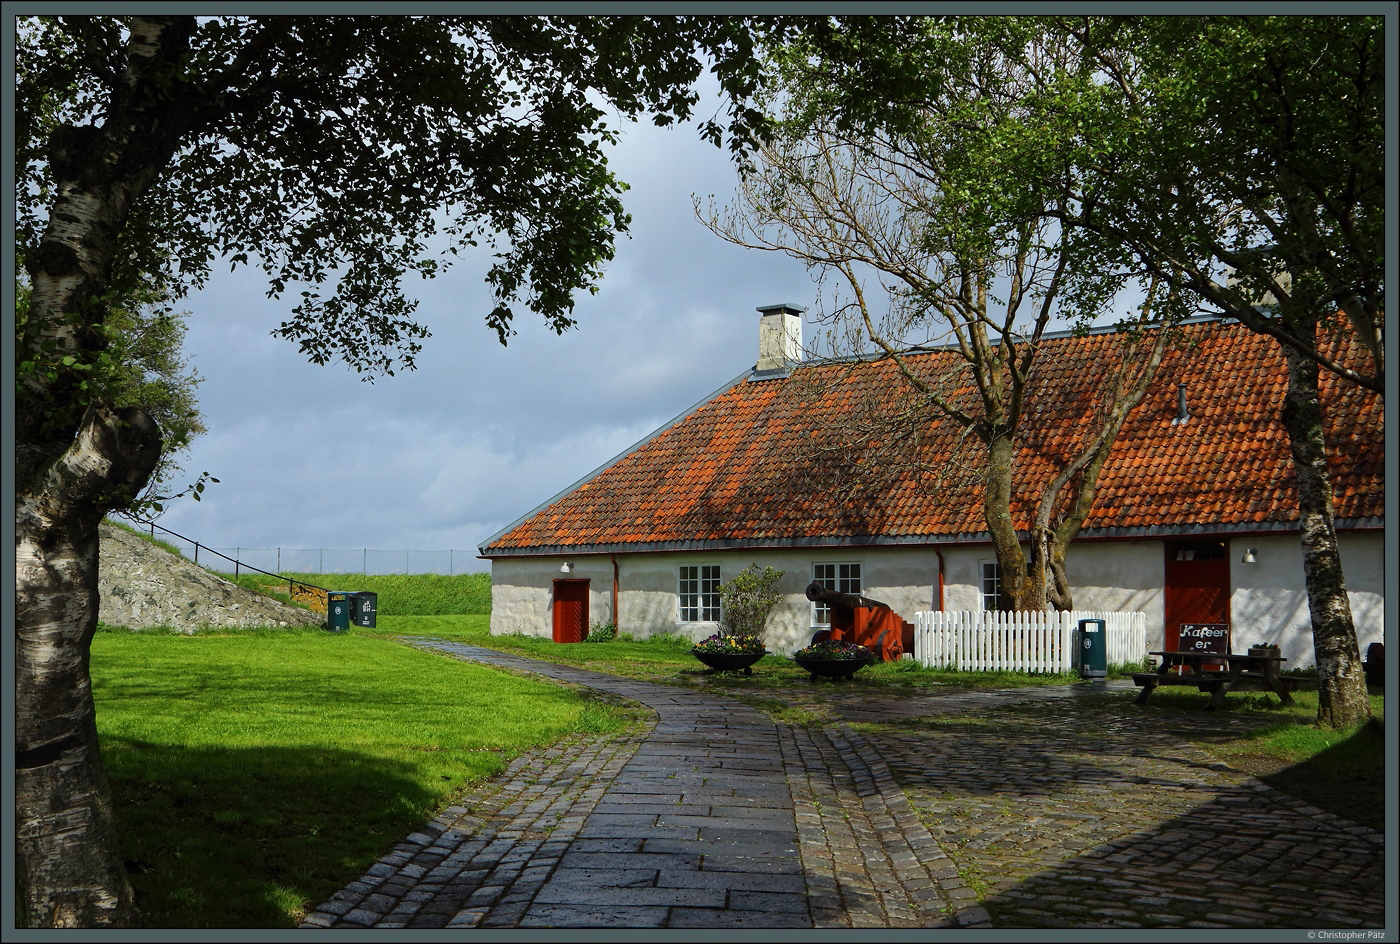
x=142 y=585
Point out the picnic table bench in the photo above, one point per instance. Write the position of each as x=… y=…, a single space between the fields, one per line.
x=1243 y=672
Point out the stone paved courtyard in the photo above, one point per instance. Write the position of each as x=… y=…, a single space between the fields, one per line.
x=990 y=809
x=1060 y=823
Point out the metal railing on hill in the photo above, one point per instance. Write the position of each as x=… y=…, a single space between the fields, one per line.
x=320 y=560
x=238 y=565
x=328 y=560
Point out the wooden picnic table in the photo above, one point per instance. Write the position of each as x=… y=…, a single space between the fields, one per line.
x=1243 y=672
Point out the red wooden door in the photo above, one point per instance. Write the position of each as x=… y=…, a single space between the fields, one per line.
x=1197 y=586
x=570 y=610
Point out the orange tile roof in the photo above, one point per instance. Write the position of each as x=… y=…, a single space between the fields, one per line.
x=814 y=459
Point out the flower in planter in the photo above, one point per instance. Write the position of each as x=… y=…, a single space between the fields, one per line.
x=721 y=644
x=834 y=649
x=747 y=600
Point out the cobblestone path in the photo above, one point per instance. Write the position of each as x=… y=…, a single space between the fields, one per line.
x=717 y=817
x=985 y=809
x=1060 y=823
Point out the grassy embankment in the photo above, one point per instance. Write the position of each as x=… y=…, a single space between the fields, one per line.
x=398 y=594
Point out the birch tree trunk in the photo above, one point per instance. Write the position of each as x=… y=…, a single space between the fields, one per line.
x=1341 y=696
x=66 y=850
x=76 y=459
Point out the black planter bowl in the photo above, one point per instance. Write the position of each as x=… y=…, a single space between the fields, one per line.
x=729 y=661
x=832 y=668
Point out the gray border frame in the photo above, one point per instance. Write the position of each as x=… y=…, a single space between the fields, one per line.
x=1392 y=465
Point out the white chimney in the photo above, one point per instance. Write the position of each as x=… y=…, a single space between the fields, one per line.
x=779 y=337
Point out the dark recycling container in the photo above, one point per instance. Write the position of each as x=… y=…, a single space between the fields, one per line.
x=1091 y=648
x=337 y=611
x=363 y=604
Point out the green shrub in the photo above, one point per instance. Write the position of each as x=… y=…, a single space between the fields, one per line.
x=748 y=597
x=602 y=632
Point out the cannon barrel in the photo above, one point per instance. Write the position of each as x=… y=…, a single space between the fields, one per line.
x=847 y=601
x=865 y=621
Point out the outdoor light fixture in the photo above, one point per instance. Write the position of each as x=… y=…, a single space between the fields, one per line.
x=1248 y=556
x=567 y=568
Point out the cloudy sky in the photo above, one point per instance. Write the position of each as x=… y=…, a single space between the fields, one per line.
x=445 y=456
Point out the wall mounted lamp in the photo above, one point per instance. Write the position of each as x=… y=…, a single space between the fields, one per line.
x=567 y=568
x=1248 y=556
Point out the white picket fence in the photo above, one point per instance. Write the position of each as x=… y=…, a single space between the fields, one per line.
x=977 y=641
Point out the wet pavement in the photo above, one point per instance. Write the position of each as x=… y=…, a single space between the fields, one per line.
x=986 y=809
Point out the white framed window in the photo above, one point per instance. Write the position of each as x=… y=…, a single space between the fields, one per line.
x=842 y=576
x=698 y=590
x=992 y=597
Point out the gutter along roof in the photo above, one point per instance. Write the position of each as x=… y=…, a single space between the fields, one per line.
x=814 y=459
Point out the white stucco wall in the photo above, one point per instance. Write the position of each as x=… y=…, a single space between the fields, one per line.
x=1268 y=598
x=647 y=599
x=522 y=592
x=1120 y=577
x=648 y=602
x=1117 y=577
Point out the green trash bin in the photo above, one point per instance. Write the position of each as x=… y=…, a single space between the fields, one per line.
x=337 y=611
x=363 y=604
x=1091 y=645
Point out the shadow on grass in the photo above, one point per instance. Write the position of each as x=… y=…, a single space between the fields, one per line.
x=249 y=838
x=1347 y=778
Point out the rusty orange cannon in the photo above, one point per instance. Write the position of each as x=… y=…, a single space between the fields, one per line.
x=865 y=622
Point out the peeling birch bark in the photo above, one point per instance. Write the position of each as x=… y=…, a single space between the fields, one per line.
x=66 y=848
x=1341 y=696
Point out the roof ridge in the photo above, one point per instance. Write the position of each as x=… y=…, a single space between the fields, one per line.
x=1092 y=331
x=613 y=461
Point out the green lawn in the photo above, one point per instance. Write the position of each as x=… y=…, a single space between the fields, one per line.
x=256 y=772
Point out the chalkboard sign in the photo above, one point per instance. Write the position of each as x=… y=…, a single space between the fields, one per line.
x=1204 y=637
